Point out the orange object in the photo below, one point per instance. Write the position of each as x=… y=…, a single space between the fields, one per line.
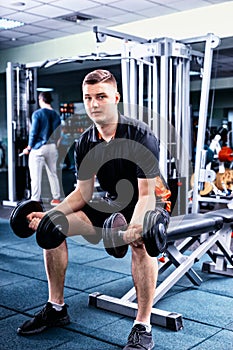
x=163 y=192
x=226 y=154
x=162 y=259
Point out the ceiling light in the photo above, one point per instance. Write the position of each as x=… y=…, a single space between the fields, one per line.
x=44 y=89
x=9 y=23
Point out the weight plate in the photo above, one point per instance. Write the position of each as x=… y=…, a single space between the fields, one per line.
x=154 y=231
x=113 y=243
x=18 y=217
x=52 y=230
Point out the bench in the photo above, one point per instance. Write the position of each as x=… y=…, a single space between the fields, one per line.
x=211 y=234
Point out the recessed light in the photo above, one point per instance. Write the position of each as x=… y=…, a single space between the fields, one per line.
x=9 y=23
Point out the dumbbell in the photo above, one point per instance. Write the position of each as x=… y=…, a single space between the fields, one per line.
x=51 y=231
x=154 y=233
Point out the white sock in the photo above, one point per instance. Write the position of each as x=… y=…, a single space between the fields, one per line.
x=147 y=325
x=57 y=307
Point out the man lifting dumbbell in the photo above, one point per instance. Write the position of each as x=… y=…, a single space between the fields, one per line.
x=123 y=153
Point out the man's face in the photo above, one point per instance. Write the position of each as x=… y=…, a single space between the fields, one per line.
x=100 y=102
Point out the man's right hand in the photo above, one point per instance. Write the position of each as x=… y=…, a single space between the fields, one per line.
x=34 y=219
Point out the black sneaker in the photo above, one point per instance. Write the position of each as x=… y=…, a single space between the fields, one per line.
x=47 y=317
x=139 y=339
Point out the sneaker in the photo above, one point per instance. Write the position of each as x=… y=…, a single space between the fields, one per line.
x=139 y=339
x=55 y=202
x=47 y=317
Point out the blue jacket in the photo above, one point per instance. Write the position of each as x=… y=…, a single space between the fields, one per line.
x=45 y=128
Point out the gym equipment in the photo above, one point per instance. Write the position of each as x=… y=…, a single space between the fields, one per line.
x=226 y=154
x=224 y=181
x=113 y=242
x=155 y=225
x=51 y=231
x=158 y=70
x=21 y=82
x=207 y=231
x=18 y=218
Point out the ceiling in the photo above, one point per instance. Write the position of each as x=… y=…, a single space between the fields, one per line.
x=45 y=20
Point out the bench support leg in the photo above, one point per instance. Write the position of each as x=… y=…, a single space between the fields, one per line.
x=169 y=320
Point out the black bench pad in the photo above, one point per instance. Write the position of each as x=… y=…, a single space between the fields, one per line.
x=190 y=225
x=225 y=213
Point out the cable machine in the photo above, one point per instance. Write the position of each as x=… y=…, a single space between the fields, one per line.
x=156 y=88
x=21 y=85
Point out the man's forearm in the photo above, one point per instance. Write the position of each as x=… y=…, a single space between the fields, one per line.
x=72 y=203
x=144 y=204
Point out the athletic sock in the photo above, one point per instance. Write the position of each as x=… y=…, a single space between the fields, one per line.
x=147 y=325
x=57 y=307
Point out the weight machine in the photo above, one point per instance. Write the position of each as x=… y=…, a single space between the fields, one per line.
x=21 y=82
x=156 y=88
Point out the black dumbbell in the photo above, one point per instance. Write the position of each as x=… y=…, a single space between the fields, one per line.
x=154 y=233
x=51 y=231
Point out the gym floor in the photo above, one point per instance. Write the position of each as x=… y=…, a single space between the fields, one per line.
x=206 y=310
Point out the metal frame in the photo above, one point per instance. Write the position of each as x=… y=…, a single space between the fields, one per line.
x=211 y=43
x=17 y=92
x=183 y=263
x=11 y=127
x=168 y=65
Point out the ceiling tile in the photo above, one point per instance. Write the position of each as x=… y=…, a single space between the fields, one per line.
x=132 y=5
x=20 y=5
x=164 y=2
x=49 y=11
x=128 y=17
x=74 y=5
x=157 y=10
x=54 y=23
x=4 y=11
x=11 y=34
x=105 y=2
x=187 y=5
x=30 y=29
x=76 y=28
x=52 y=34
x=24 y=17
x=34 y=38
x=102 y=22
x=105 y=11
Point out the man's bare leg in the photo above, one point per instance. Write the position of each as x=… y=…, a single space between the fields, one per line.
x=56 y=261
x=144 y=272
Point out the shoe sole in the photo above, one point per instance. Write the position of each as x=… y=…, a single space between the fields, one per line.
x=63 y=322
x=150 y=348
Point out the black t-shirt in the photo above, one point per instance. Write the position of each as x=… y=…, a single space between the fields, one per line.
x=133 y=153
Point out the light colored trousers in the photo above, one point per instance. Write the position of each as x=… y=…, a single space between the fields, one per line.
x=47 y=156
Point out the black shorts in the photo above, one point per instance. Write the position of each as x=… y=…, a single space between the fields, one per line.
x=99 y=211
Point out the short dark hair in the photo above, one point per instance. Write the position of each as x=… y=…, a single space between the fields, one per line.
x=99 y=76
x=46 y=96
